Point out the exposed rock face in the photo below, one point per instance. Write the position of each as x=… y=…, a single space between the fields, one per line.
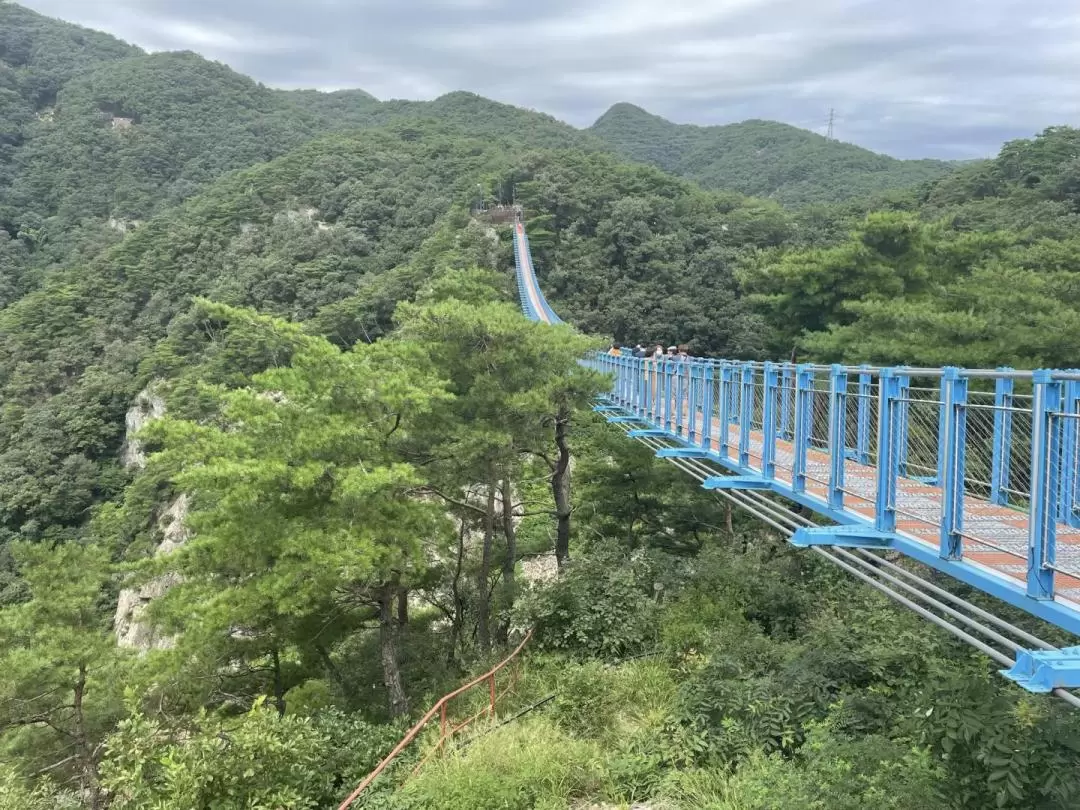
x=123 y=225
x=131 y=631
x=540 y=569
x=148 y=407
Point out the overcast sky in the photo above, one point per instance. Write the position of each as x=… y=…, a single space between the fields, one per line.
x=912 y=78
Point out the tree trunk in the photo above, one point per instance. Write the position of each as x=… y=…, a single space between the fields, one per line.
x=560 y=487
x=455 y=590
x=331 y=668
x=87 y=764
x=727 y=519
x=388 y=651
x=279 y=685
x=509 y=561
x=483 y=611
x=403 y=606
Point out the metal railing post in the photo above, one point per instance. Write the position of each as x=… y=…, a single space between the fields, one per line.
x=746 y=413
x=692 y=407
x=1000 y=462
x=787 y=386
x=707 y=407
x=837 y=440
x=804 y=414
x=862 y=431
x=680 y=397
x=887 y=455
x=770 y=390
x=653 y=383
x=1069 y=458
x=1045 y=453
x=905 y=424
x=954 y=399
x=726 y=384
x=669 y=394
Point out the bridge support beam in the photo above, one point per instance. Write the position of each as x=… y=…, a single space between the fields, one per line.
x=736 y=482
x=845 y=536
x=681 y=452
x=606 y=408
x=1044 y=670
x=646 y=433
x=623 y=420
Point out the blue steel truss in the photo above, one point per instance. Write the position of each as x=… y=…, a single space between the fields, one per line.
x=803 y=431
x=975 y=473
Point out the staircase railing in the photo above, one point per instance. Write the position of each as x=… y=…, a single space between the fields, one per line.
x=446 y=729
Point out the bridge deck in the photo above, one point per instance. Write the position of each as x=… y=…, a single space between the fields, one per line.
x=991 y=538
x=919 y=512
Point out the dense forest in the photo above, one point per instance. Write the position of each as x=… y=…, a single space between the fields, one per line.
x=281 y=462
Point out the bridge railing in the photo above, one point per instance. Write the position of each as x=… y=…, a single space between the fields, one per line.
x=917 y=450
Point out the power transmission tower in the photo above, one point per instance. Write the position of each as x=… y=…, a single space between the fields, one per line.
x=832 y=118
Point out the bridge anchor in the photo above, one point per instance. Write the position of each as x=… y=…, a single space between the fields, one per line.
x=845 y=536
x=1045 y=670
x=681 y=452
x=645 y=433
x=736 y=482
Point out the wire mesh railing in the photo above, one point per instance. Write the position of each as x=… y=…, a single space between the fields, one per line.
x=982 y=464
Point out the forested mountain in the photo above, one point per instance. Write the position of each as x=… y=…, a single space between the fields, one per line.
x=978 y=269
x=96 y=136
x=760 y=158
x=276 y=445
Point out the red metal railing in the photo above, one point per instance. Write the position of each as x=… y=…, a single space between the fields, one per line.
x=441 y=709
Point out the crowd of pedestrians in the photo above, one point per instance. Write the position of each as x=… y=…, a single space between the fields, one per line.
x=656 y=353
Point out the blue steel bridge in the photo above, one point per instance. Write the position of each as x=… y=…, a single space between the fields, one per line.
x=974 y=473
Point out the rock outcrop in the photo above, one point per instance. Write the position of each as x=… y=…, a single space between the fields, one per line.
x=148 y=406
x=128 y=623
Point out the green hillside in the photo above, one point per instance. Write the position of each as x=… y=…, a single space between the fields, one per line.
x=760 y=158
x=281 y=462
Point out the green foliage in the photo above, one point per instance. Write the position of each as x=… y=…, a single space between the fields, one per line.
x=521 y=767
x=298 y=504
x=760 y=158
x=596 y=609
x=59 y=691
x=17 y=794
x=835 y=773
x=258 y=760
x=942 y=282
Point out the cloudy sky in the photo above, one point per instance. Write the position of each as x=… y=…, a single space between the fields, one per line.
x=912 y=78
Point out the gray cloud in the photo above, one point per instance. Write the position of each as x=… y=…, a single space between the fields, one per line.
x=948 y=78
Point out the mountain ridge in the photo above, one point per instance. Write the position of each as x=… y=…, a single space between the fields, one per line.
x=760 y=158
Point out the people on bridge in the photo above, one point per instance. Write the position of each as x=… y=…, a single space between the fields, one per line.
x=614 y=350
x=639 y=350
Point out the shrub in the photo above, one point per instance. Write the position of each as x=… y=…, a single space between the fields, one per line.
x=259 y=760
x=599 y=608
x=526 y=765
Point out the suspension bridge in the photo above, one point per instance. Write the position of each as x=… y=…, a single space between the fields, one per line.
x=974 y=473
